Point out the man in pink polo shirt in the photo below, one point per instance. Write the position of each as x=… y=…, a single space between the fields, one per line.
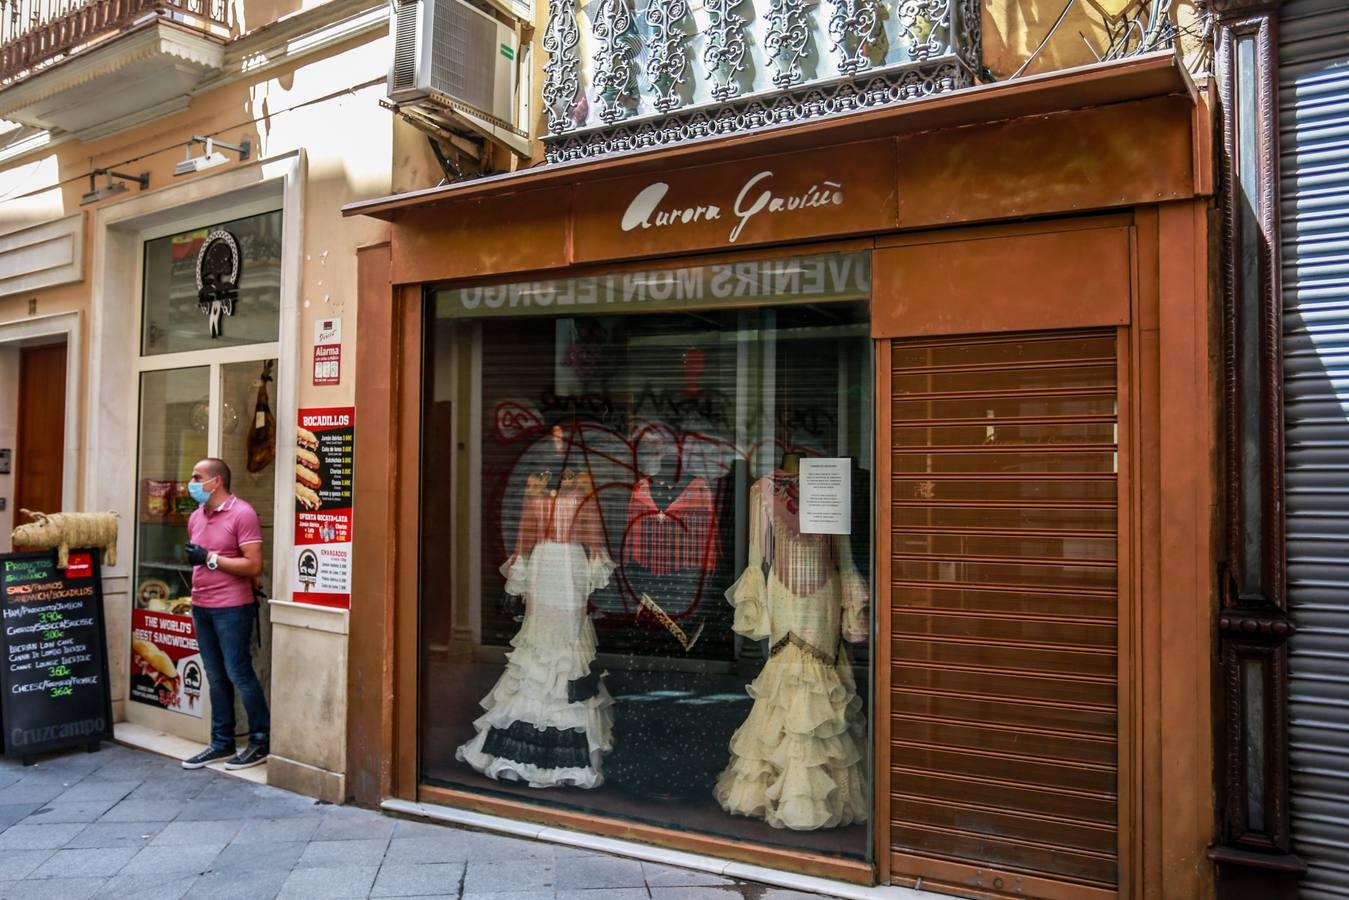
x=225 y=548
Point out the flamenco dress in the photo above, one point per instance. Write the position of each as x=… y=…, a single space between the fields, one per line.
x=798 y=761
x=548 y=721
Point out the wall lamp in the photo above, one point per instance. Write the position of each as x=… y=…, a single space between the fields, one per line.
x=193 y=164
x=111 y=188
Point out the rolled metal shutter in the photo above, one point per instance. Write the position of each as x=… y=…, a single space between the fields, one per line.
x=1005 y=607
x=1314 y=159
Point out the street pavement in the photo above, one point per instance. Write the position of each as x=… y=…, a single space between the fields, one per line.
x=127 y=823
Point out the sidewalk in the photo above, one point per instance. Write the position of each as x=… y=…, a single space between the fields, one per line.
x=125 y=822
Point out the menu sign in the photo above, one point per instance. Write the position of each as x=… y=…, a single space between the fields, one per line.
x=54 y=680
x=324 y=464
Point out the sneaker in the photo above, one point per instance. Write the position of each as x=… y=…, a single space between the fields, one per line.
x=252 y=755
x=209 y=755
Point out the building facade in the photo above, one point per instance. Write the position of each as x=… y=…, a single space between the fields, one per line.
x=161 y=300
x=892 y=444
x=819 y=476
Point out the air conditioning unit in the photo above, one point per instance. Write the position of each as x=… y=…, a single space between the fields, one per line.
x=452 y=55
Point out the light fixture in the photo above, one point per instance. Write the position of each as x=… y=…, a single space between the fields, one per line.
x=111 y=188
x=193 y=164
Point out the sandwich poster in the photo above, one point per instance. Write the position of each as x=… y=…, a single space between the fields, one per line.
x=324 y=455
x=166 y=668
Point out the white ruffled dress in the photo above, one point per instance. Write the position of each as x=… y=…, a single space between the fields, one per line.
x=798 y=760
x=548 y=721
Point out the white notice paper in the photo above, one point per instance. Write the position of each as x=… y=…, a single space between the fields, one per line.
x=826 y=496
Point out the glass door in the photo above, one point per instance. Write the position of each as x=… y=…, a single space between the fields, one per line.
x=207 y=389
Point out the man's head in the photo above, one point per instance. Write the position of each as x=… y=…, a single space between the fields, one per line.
x=213 y=475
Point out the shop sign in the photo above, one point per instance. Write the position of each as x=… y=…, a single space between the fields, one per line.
x=813 y=194
x=324 y=464
x=815 y=279
x=327 y=352
x=218 y=278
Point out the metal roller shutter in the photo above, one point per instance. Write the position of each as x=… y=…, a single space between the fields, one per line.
x=1004 y=520
x=1314 y=158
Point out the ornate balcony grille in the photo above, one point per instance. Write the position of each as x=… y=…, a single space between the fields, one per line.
x=630 y=74
x=35 y=33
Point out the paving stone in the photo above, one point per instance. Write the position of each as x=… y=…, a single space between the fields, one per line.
x=330 y=883
x=130 y=810
x=39 y=837
x=696 y=892
x=51 y=889
x=85 y=811
x=33 y=791
x=605 y=894
x=86 y=862
x=16 y=812
x=426 y=850
x=18 y=863
x=484 y=876
x=192 y=859
x=785 y=894
x=147 y=887
x=511 y=895
x=97 y=789
x=409 y=828
x=418 y=880
x=116 y=834
x=582 y=872
x=238 y=885
x=267 y=831
x=216 y=811
x=182 y=833
x=658 y=875
x=480 y=845
x=175 y=789
x=282 y=856
x=342 y=853
x=345 y=826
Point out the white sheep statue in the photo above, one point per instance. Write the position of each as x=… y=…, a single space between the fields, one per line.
x=64 y=530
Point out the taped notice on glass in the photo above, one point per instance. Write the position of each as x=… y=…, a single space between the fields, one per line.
x=826 y=496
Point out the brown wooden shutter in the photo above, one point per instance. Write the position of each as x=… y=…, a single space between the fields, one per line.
x=1004 y=621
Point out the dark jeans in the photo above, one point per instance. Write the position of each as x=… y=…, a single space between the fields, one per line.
x=223 y=636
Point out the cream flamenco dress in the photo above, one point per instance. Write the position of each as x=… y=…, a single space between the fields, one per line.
x=798 y=760
x=549 y=719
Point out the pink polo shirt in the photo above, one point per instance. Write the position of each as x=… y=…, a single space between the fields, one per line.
x=224 y=531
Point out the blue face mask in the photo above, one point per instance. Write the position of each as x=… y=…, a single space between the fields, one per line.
x=198 y=491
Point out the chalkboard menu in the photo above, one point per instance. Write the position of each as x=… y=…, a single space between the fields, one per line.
x=53 y=653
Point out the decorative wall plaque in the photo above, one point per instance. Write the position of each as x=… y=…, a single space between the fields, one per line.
x=218 y=277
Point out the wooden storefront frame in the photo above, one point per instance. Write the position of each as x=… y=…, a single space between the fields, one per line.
x=1168 y=552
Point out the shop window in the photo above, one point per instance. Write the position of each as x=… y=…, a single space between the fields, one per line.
x=646 y=548
x=173 y=318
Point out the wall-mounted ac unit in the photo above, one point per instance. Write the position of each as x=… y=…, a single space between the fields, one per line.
x=451 y=55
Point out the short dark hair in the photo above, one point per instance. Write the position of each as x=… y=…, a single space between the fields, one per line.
x=218 y=468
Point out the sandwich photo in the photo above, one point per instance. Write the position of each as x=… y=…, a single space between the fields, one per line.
x=307 y=458
x=307 y=477
x=306 y=439
x=150 y=663
x=307 y=497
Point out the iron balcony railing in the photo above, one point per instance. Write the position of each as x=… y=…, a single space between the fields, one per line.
x=36 y=33
x=629 y=74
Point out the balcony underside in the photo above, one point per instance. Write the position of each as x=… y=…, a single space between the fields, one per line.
x=147 y=72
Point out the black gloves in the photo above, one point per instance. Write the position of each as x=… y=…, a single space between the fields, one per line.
x=196 y=554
